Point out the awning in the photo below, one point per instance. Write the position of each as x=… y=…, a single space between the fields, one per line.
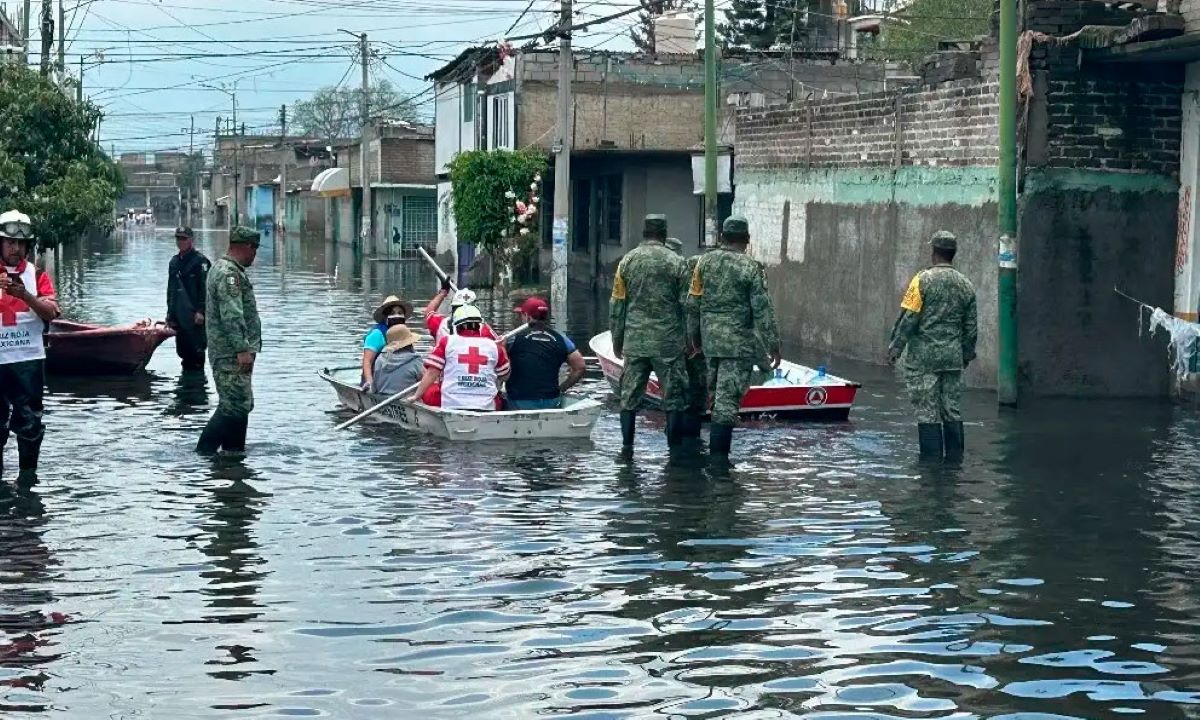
x=334 y=182
x=223 y=200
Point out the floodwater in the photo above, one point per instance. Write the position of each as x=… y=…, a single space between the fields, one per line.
x=365 y=574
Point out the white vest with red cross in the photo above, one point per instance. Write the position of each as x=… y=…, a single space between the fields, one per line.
x=20 y=328
x=469 y=377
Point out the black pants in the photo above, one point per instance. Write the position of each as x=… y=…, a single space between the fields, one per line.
x=21 y=389
x=190 y=345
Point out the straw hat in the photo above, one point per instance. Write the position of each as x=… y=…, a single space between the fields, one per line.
x=399 y=337
x=391 y=301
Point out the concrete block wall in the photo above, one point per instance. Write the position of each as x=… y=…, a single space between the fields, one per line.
x=404 y=160
x=843 y=194
x=631 y=120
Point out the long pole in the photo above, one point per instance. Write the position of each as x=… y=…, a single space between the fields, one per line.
x=25 y=32
x=62 y=38
x=367 y=235
x=283 y=167
x=47 y=36
x=560 y=252
x=1006 y=380
x=710 y=125
x=79 y=87
x=191 y=164
x=237 y=156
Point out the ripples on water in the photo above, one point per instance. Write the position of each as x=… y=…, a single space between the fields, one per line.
x=368 y=575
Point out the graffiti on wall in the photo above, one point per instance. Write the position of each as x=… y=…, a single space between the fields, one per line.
x=1183 y=229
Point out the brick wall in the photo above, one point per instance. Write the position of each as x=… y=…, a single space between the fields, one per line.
x=405 y=160
x=1190 y=9
x=951 y=125
x=1063 y=17
x=632 y=119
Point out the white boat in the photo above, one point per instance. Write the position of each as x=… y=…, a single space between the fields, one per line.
x=575 y=420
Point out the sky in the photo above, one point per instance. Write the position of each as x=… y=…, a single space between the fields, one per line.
x=153 y=66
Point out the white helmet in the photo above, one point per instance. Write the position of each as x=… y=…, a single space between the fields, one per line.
x=466 y=314
x=16 y=225
x=462 y=297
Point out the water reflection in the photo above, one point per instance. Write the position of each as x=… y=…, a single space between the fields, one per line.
x=372 y=574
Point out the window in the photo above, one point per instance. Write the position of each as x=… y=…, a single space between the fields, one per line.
x=498 y=122
x=418 y=220
x=611 y=225
x=468 y=102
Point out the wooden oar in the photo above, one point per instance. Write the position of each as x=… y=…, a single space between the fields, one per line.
x=436 y=268
x=384 y=403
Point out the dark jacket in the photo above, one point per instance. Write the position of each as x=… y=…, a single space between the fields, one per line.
x=186 y=282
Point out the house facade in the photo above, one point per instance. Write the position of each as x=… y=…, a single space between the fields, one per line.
x=637 y=129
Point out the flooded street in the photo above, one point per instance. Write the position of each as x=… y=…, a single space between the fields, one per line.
x=370 y=574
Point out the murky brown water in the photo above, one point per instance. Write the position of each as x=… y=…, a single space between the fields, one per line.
x=364 y=574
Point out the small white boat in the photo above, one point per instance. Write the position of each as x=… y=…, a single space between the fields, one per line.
x=575 y=420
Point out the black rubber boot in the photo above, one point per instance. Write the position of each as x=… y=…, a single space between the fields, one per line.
x=237 y=434
x=929 y=438
x=953 y=433
x=720 y=438
x=216 y=433
x=628 y=423
x=28 y=452
x=693 y=423
x=676 y=426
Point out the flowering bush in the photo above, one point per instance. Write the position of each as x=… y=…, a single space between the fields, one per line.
x=493 y=210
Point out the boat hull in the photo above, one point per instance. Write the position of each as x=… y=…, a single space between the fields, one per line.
x=82 y=349
x=806 y=398
x=575 y=421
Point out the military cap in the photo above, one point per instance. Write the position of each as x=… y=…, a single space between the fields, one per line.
x=944 y=240
x=656 y=226
x=735 y=226
x=675 y=244
x=244 y=235
x=183 y=232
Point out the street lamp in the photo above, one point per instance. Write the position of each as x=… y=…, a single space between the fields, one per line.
x=233 y=218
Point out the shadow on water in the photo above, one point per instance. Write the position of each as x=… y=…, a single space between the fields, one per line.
x=371 y=574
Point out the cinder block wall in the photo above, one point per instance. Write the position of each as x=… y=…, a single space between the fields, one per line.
x=842 y=196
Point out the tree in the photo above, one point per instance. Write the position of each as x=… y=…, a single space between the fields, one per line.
x=764 y=24
x=919 y=26
x=49 y=167
x=335 y=112
x=642 y=34
x=486 y=186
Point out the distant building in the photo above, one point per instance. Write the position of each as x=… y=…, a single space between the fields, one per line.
x=11 y=42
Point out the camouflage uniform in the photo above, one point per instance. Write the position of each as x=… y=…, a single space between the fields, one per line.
x=647 y=322
x=233 y=327
x=938 y=325
x=730 y=316
x=695 y=365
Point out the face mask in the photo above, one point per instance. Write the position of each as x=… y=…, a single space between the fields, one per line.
x=395 y=320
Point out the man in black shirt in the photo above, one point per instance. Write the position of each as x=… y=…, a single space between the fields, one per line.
x=537 y=354
x=186 y=288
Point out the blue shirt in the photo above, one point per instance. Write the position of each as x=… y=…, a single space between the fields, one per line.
x=376 y=339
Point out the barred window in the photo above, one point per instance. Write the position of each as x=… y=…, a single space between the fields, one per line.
x=418 y=218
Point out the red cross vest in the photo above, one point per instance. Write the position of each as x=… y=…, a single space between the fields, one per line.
x=469 y=377
x=20 y=328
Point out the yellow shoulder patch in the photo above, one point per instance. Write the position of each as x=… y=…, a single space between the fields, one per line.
x=912 y=297
x=618 y=291
x=697 y=287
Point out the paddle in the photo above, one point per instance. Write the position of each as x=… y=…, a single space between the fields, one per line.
x=436 y=268
x=372 y=410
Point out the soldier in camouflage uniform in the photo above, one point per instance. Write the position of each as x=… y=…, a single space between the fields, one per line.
x=938 y=324
x=694 y=363
x=647 y=328
x=730 y=317
x=234 y=340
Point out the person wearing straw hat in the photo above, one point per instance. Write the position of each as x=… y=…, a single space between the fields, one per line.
x=391 y=312
x=398 y=366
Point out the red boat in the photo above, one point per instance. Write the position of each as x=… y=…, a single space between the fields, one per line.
x=80 y=349
x=797 y=391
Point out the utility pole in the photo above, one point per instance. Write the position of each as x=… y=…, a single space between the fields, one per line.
x=560 y=252
x=1006 y=301
x=283 y=166
x=236 y=167
x=194 y=175
x=710 y=125
x=79 y=86
x=47 y=37
x=62 y=38
x=368 y=235
x=25 y=32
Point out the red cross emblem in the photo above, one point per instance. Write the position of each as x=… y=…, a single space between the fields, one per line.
x=9 y=307
x=474 y=360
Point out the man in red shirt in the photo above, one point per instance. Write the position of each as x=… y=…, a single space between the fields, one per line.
x=465 y=369
x=436 y=323
x=27 y=305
